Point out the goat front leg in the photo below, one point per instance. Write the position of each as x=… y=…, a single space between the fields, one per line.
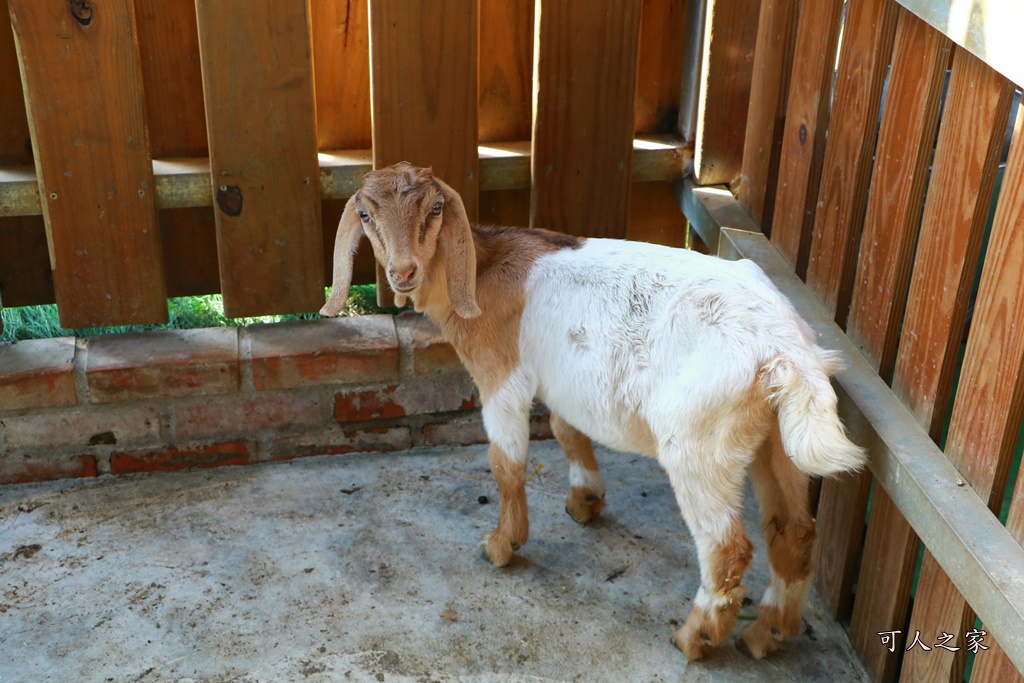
x=506 y=418
x=781 y=491
x=586 y=485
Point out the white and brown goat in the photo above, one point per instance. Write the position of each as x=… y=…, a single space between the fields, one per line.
x=693 y=360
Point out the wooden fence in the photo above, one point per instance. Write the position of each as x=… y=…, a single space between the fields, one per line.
x=185 y=147
x=206 y=145
x=884 y=218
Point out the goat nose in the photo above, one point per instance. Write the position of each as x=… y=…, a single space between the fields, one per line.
x=404 y=274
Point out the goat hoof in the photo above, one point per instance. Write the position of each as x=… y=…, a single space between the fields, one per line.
x=584 y=505
x=693 y=648
x=496 y=550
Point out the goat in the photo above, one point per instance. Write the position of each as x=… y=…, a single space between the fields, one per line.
x=693 y=360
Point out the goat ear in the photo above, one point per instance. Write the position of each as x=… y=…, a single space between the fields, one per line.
x=461 y=254
x=350 y=230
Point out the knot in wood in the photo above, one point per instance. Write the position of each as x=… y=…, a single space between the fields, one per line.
x=81 y=11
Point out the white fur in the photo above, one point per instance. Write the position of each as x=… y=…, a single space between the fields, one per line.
x=581 y=477
x=506 y=417
x=617 y=331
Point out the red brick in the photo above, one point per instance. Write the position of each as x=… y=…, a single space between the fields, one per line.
x=82 y=426
x=163 y=364
x=17 y=469
x=339 y=442
x=447 y=393
x=171 y=459
x=243 y=416
x=428 y=352
x=315 y=352
x=37 y=374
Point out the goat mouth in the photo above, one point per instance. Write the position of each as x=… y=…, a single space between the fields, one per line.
x=403 y=289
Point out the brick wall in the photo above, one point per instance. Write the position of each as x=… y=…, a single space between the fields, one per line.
x=122 y=404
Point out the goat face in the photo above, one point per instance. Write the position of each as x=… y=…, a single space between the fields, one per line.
x=410 y=218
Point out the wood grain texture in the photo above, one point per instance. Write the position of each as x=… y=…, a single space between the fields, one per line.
x=762 y=142
x=585 y=79
x=660 y=70
x=863 y=63
x=803 y=139
x=903 y=156
x=842 y=197
x=83 y=85
x=905 y=141
x=341 y=60
x=175 y=114
x=989 y=404
x=955 y=215
x=506 y=70
x=423 y=66
x=260 y=118
x=730 y=35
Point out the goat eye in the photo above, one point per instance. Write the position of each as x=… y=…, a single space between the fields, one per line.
x=436 y=209
x=363 y=216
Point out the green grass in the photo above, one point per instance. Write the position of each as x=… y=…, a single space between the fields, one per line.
x=185 y=313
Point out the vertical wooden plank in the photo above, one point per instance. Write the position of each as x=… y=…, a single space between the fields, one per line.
x=585 y=80
x=995 y=666
x=988 y=408
x=904 y=153
x=842 y=197
x=173 y=78
x=730 y=35
x=954 y=221
x=341 y=60
x=903 y=157
x=83 y=87
x=803 y=139
x=762 y=142
x=265 y=175
x=506 y=95
x=863 y=62
x=25 y=277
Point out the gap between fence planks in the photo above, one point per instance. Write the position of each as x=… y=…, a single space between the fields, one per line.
x=83 y=82
x=803 y=141
x=172 y=79
x=584 y=87
x=730 y=38
x=863 y=62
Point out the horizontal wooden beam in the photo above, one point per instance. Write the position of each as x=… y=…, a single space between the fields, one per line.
x=183 y=183
x=977 y=552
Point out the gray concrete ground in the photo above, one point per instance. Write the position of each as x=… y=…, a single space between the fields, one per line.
x=363 y=568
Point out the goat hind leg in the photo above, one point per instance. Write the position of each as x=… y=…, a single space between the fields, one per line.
x=788 y=527
x=586 y=485
x=710 y=497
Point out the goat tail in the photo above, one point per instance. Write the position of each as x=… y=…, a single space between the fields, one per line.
x=797 y=385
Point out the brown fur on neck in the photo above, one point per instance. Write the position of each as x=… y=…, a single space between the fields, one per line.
x=489 y=344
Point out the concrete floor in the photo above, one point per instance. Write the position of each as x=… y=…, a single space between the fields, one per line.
x=363 y=568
